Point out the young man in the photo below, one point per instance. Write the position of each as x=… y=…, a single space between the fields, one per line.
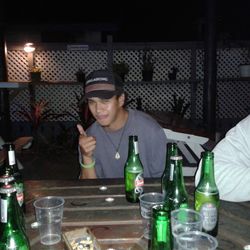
x=104 y=146
x=232 y=163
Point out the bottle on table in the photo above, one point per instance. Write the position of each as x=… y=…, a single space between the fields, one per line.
x=161 y=232
x=9 y=180
x=177 y=196
x=11 y=169
x=207 y=195
x=12 y=235
x=133 y=172
x=172 y=150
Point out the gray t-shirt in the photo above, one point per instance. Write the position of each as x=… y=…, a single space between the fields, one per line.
x=152 y=146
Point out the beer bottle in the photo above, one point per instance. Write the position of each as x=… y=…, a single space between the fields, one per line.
x=177 y=196
x=9 y=180
x=12 y=235
x=133 y=172
x=11 y=169
x=207 y=195
x=161 y=233
x=172 y=150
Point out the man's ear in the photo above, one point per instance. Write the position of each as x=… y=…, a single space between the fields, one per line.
x=121 y=100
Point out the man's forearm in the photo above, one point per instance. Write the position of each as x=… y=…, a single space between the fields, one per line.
x=88 y=173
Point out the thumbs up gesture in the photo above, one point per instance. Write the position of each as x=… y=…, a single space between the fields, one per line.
x=87 y=143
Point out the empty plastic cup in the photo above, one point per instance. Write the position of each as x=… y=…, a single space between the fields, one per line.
x=147 y=201
x=196 y=240
x=184 y=220
x=49 y=213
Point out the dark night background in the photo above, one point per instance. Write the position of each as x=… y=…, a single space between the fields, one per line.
x=129 y=21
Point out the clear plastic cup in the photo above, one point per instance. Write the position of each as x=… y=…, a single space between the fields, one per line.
x=49 y=214
x=147 y=201
x=196 y=240
x=184 y=220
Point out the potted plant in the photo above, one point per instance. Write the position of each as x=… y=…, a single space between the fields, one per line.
x=35 y=74
x=147 y=65
x=80 y=75
x=172 y=75
x=121 y=69
x=179 y=109
x=38 y=114
x=244 y=68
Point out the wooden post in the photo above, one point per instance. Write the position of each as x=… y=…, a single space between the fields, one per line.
x=209 y=90
x=5 y=131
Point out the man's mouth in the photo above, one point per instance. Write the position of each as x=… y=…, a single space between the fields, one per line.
x=101 y=117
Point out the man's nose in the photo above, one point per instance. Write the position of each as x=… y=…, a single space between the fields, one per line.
x=99 y=107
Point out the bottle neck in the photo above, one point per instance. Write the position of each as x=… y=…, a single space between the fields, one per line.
x=176 y=175
x=11 y=166
x=171 y=151
x=11 y=158
x=161 y=235
x=207 y=173
x=133 y=146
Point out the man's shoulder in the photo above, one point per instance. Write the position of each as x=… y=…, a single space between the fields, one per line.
x=143 y=117
x=144 y=123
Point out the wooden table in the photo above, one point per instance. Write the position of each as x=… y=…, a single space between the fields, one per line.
x=118 y=224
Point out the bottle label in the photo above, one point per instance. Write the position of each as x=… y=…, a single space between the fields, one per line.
x=11 y=156
x=3 y=211
x=136 y=147
x=171 y=177
x=19 y=193
x=210 y=216
x=139 y=183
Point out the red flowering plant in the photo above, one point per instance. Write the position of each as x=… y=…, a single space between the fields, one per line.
x=39 y=112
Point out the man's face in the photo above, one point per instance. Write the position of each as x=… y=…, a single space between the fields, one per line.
x=106 y=111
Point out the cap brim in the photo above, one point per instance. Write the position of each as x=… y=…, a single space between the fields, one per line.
x=102 y=94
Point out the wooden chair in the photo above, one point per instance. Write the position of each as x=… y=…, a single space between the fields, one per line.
x=191 y=147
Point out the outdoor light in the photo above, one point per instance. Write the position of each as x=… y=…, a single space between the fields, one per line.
x=29 y=47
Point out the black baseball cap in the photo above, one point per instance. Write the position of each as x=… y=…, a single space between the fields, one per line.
x=103 y=84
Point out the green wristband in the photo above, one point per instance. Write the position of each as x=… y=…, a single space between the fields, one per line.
x=90 y=165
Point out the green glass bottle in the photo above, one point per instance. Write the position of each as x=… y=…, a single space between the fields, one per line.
x=172 y=150
x=9 y=180
x=207 y=195
x=133 y=172
x=161 y=232
x=11 y=169
x=12 y=235
x=177 y=196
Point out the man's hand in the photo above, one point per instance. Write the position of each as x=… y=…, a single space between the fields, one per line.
x=87 y=145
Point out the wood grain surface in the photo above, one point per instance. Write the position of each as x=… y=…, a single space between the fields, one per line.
x=118 y=224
